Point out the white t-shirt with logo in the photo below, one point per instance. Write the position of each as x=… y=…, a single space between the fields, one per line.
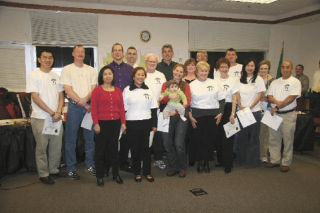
x=234 y=71
x=154 y=81
x=138 y=103
x=228 y=86
x=280 y=89
x=48 y=87
x=81 y=79
x=205 y=94
x=249 y=92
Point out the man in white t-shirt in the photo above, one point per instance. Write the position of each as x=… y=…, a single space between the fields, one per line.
x=79 y=80
x=132 y=56
x=235 y=68
x=47 y=103
x=154 y=81
x=282 y=95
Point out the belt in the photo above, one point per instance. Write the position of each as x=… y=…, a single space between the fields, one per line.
x=72 y=101
x=284 y=112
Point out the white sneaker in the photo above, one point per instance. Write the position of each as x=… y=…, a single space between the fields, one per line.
x=160 y=164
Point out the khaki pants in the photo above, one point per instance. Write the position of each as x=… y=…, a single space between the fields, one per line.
x=48 y=149
x=285 y=132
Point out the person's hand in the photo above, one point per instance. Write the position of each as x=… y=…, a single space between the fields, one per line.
x=87 y=107
x=232 y=119
x=218 y=118
x=185 y=105
x=82 y=102
x=273 y=110
x=172 y=113
x=123 y=128
x=96 y=128
x=241 y=107
x=174 y=96
x=56 y=117
x=193 y=122
x=154 y=129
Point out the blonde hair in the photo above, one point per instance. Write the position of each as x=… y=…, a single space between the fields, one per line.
x=151 y=55
x=202 y=65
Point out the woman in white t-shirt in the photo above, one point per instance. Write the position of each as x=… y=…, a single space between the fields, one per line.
x=141 y=117
x=229 y=87
x=206 y=111
x=251 y=89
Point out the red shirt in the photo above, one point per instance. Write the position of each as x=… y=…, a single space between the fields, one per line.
x=107 y=105
x=186 y=91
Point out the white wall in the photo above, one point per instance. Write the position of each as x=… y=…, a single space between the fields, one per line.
x=126 y=30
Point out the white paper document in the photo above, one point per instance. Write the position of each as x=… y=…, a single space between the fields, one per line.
x=246 y=117
x=161 y=127
x=50 y=127
x=271 y=121
x=151 y=138
x=231 y=129
x=87 y=121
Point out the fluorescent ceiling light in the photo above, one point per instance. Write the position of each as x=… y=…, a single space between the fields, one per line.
x=255 y=1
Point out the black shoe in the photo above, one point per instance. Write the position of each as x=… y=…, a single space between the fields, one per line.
x=100 y=182
x=125 y=168
x=206 y=167
x=118 y=179
x=107 y=171
x=149 y=178
x=47 y=180
x=59 y=175
x=74 y=175
x=227 y=170
x=138 y=178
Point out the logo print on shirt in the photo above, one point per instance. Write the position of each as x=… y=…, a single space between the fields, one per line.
x=210 y=88
x=147 y=96
x=236 y=74
x=157 y=80
x=54 y=81
x=225 y=87
x=286 y=87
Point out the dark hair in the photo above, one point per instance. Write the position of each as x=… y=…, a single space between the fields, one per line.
x=45 y=50
x=300 y=65
x=172 y=82
x=231 y=50
x=115 y=44
x=131 y=48
x=244 y=74
x=135 y=70
x=167 y=46
x=100 y=76
x=187 y=63
x=222 y=60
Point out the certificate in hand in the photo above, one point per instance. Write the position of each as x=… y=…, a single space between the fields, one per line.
x=161 y=127
x=231 y=129
x=87 y=121
x=246 y=117
x=271 y=121
x=50 y=127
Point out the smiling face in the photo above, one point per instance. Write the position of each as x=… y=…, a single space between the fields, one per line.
x=173 y=88
x=250 y=67
x=151 y=63
x=299 y=70
x=117 y=52
x=139 y=78
x=45 y=61
x=263 y=70
x=131 y=56
x=231 y=56
x=78 y=53
x=224 y=69
x=202 y=74
x=107 y=76
x=191 y=68
x=202 y=56
x=167 y=54
x=286 y=69
x=178 y=73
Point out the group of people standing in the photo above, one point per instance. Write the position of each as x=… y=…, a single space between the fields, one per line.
x=130 y=99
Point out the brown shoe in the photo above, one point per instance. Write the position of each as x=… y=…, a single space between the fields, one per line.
x=284 y=168
x=271 y=165
x=182 y=173
x=171 y=173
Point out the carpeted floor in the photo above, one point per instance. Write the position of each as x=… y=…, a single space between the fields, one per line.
x=243 y=190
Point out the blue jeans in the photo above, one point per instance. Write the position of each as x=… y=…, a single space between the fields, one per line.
x=174 y=143
x=75 y=115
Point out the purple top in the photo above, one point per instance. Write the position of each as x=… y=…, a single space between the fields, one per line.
x=122 y=74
